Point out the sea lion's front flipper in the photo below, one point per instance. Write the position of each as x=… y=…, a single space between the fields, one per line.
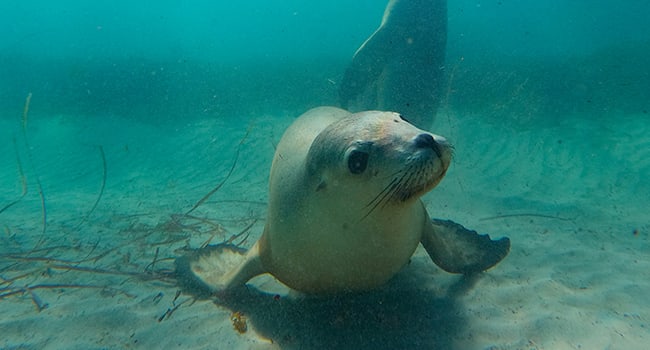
x=219 y=268
x=456 y=249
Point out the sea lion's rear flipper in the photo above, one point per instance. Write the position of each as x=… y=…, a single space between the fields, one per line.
x=456 y=249
x=357 y=90
x=218 y=268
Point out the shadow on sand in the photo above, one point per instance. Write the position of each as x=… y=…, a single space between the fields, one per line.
x=398 y=316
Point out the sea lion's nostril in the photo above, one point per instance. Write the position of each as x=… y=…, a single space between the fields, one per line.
x=424 y=141
x=427 y=141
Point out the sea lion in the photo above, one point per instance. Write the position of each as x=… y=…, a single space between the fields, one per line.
x=400 y=66
x=344 y=210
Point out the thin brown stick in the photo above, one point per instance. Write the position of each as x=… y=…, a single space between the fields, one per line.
x=46 y=259
x=38 y=303
x=525 y=215
x=216 y=188
x=152 y=264
x=201 y=220
x=239 y=202
x=44 y=249
x=170 y=241
x=92 y=250
x=26 y=111
x=219 y=185
x=13 y=279
x=63 y=286
x=244 y=231
x=60 y=264
x=23 y=180
x=171 y=310
x=95 y=270
x=41 y=194
x=101 y=189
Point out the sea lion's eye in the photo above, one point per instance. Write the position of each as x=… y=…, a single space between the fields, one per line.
x=357 y=162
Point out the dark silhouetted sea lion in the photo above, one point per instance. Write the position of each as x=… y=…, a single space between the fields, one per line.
x=401 y=66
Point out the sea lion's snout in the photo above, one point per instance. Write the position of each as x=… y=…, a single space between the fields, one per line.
x=427 y=141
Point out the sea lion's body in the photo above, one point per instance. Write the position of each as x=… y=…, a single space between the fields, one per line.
x=344 y=209
x=321 y=234
x=400 y=67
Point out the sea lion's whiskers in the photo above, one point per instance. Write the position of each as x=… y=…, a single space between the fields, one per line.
x=419 y=180
x=404 y=191
x=394 y=174
x=386 y=192
x=396 y=188
x=383 y=192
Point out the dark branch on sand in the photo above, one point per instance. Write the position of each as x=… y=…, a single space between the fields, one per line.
x=219 y=185
x=526 y=215
x=39 y=186
x=23 y=180
x=101 y=189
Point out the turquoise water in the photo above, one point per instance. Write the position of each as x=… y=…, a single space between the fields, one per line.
x=137 y=111
x=116 y=57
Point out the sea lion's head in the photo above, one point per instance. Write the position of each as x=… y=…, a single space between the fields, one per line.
x=378 y=156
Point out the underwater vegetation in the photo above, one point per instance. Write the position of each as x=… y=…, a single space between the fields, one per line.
x=62 y=258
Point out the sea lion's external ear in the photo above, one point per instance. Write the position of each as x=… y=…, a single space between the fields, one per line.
x=457 y=249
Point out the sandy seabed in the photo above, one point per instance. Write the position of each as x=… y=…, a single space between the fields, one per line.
x=571 y=193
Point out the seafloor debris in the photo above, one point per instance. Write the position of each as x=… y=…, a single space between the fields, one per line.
x=239 y=322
